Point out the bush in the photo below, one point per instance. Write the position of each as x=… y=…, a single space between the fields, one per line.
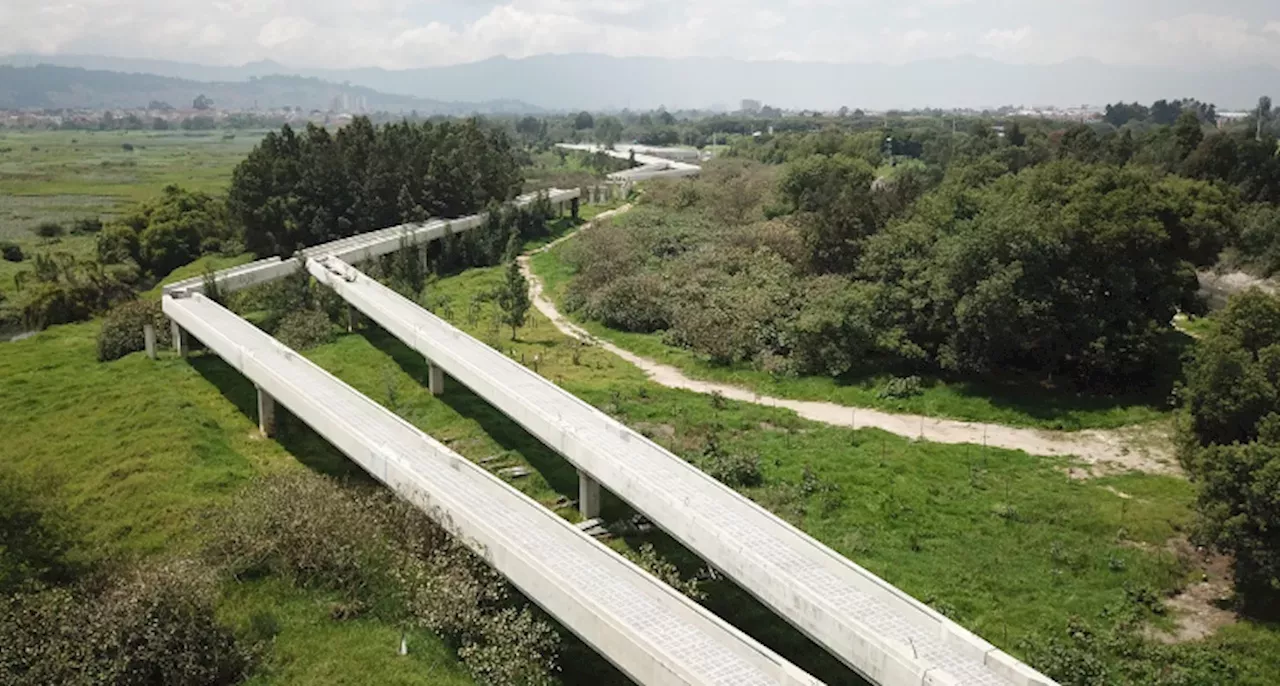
x=122 y=334
x=11 y=252
x=1234 y=379
x=631 y=303
x=62 y=302
x=731 y=469
x=118 y=243
x=305 y=529
x=386 y=556
x=49 y=230
x=1231 y=442
x=305 y=329
x=901 y=387
x=1239 y=505
x=85 y=226
x=154 y=625
x=832 y=331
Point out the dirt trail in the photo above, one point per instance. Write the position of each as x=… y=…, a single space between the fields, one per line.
x=1140 y=448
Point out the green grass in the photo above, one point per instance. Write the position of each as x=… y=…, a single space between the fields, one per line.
x=312 y=648
x=1002 y=540
x=62 y=176
x=1196 y=327
x=1012 y=403
x=139 y=450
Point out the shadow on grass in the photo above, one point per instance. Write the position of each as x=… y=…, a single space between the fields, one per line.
x=293 y=434
x=730 y=602
x=559 y=474
x=724 y=598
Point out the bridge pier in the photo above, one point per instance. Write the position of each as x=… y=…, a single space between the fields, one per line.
x=588 y=496
x=352 y=317
x=149 y=340
x=435 y=379
x=181 y=343
x=573 y=208
x=266 y=413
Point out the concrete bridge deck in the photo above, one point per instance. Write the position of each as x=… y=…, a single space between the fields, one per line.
x=878 y=630
x=650 y=631
x=650 y=166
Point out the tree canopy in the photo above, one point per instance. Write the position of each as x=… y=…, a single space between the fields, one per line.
x=300 y=189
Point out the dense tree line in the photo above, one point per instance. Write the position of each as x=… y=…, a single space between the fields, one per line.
x=1062 y=251
x=1064 y=270
x=1231 y=443
x=303 y=188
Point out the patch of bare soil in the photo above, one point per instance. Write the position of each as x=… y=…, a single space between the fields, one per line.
x=1203 y=606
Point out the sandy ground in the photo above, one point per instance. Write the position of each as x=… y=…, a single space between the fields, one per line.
x=1135 y=448
x=1217 y=288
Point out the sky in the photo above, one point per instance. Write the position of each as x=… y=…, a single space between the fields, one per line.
x=397 y=34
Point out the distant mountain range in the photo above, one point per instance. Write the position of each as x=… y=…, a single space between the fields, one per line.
x=48 y=86
x=598 y=82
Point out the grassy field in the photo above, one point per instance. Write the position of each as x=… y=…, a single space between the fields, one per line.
x=1015 y=404
x=1003 y=541
x=62 y=176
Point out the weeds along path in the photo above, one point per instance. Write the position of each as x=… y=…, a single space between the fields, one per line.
x=1142 y=448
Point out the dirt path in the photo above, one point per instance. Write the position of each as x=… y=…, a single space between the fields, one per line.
x=1141 y=448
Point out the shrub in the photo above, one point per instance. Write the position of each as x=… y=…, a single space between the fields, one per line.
x=153 y=625
x=11 y=252
x=512 y=647
x=648 y=559
x=118 y=243
x=1231 y=442
x=901 y=387
x=305 y=329
x=85 y=226
x=832 y=330
x=122 y=334
x=731 y=469
x=385 y=556
x=305 y=529
x=1240 y=511
x=62 y=302
x=631 y=303
x=49 y=230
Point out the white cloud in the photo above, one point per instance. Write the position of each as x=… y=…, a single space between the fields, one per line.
x=1006 y=39
x=1220 y=37
x=283 y=30
x=408 y=33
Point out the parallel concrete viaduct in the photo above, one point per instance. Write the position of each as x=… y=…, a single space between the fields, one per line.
x=881 y=632
x=651 y=632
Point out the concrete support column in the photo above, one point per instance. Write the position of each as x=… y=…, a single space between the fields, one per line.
x=588 y=496
x=266 y=413
x=149 y=339
x=180 y=341
x=573 y=208
x=435 y=379
x=352 y=316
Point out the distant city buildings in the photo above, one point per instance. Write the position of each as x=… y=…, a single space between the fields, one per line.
x=752 y=106
x=345 y=103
